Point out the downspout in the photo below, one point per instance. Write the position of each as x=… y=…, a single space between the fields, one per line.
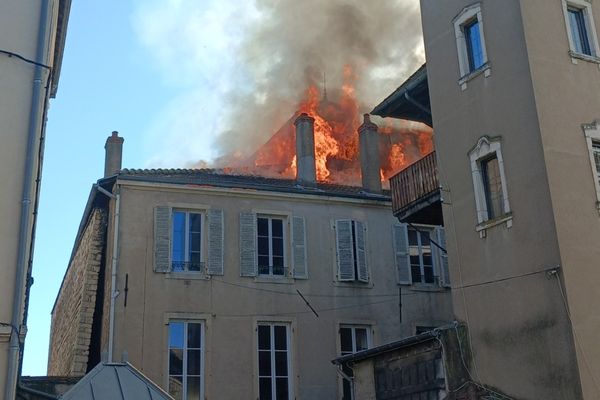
x=25 y=218
x=113 y=270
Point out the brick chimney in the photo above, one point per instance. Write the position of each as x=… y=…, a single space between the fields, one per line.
x=306 y=172
x=114 y=154
x=370 y=163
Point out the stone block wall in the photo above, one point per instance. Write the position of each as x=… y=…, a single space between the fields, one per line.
x=73 y=313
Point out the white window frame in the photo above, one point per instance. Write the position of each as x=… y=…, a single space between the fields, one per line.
x=353 y=327
x=285 y=227
x=203 y=232
x=485 y=148
x=185 y=349
x=290 y=371
x=592 y=134
x=434 y=266
x=356 y=278
x=467 y=15
x=586 y=7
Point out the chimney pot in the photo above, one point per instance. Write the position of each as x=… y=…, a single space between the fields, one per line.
x=306 y=172
x=370 y=162
x=113 y=155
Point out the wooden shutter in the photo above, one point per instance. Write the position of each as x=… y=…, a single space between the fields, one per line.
x=162 y=239
x=442 y=259
x=361 y=253
x=402 y=256
x=345 y=250
x=247 y=244
x=299 y=248
x=215 y=242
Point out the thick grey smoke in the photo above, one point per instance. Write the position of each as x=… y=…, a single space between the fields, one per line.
x=296 y=42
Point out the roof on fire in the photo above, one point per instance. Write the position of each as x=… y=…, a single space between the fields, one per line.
x=223 y=179
x=410 y=101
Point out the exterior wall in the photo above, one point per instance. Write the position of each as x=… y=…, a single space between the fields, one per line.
x=567 y=95
x=364 y=380
x=514 y=311
x=73 y=313
x=231 y=310
x=19 y=22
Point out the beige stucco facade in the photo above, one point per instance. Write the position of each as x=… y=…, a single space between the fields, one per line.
x=532 y=97
x=20 y=23
x=230 y=306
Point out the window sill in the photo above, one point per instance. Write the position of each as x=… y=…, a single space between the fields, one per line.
x=5 y=332
x=354 y=284
x=427 y=287
x=483 y=226
x=274 y=279
x=579 y=56
x=201 y=276
x=485 y=69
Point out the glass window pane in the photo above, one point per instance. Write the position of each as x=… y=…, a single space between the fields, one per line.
x=195 y=241
x=361 y=339
x=263 y=246
x=264 y=363
x=175 y=362
x=277 y=261
x=264 y=337
x=474 y=47
x=178 y=237
x=263 y=269
x=281 y=363
x=492 y=184
x=280 y=337
x=346 y=339
x=195 y=222
x=263 y=261
x=176 y=335
x=282 y=388
x=277 y=247
x=427 y=259
x=412 y=237
x=428 y=275
x=277 y=227
x=265 y=391
x=262 y=226
x=424 y=238
x=176 y=387
x=194 y=335
x=193 y=388
x=416 y=273
x=193 y=362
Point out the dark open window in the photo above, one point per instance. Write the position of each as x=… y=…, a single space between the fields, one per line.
x=492 y=186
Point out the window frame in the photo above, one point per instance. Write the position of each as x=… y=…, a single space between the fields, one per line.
x=290 y=368
x=353 y=327
x=592 y=135
x=419 y=246
x=285 y=237
x=486 y=148
x=355 y=250
x=203 y=234
x=590 y=30
x=464 y=19
x=185 y=349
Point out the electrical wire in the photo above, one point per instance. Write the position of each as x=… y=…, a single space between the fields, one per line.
x=27 y=60
x=505 y=278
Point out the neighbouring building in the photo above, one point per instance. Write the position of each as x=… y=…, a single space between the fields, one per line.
x=229 y=286
x=514 y=89
x=32 y=39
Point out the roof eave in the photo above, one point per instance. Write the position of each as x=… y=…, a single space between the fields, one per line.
x=64 y=10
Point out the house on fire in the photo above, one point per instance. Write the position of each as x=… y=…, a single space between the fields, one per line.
x=233 y=287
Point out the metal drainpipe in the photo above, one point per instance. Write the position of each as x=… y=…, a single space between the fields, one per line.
x=25 y=219
x=113 y=290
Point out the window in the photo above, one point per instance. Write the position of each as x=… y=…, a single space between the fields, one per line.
x=470 y=41
x=186 y=243
x=596 y=153
x=580 y=28
x=351 y=251
x=489 y=184
x=592 y=137
x=421 y=256
x=270 y=249
x=186 y=360
x=352 y=340
x=274 y=366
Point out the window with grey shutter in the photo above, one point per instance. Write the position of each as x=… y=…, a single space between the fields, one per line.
x=345 y=250
x=299 y=248
x=162 y=241
x=247 y=244
x=361 y=253
x=215 y=241
x=402 y=257
x=443 y=270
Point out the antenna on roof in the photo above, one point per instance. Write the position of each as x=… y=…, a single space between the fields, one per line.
x=324 y=86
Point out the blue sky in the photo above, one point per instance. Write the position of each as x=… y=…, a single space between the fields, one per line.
x=159 y=72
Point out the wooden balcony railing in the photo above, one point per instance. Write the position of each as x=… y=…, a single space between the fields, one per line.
x=414 y=183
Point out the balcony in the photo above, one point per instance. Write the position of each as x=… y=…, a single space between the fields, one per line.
x=416 y=194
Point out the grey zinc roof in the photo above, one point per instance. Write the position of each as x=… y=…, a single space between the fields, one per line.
x=115 y=381
x=220 y=178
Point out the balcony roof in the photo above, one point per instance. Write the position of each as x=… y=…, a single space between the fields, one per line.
x=410 y=101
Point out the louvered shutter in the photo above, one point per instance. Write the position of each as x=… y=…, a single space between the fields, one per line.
x=299 y=248
x=215 y=242
x=162 y=239
x=361 y=253
x=247 y=244
x=401 y=252
x=442 y=258
x=345 y=251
